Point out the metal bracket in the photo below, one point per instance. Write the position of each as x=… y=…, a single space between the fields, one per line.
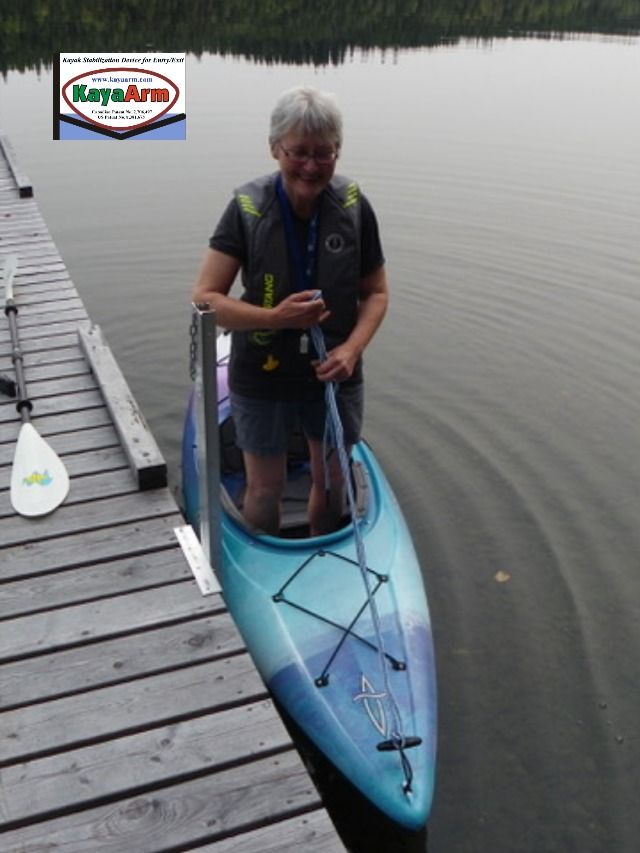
x=206 y=389
x=195 y=557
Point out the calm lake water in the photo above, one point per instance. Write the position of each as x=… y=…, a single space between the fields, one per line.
x=503 y=389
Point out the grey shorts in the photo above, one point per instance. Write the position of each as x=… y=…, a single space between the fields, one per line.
x=264 y=427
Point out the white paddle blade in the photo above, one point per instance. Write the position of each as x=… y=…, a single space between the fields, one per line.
x=39 y=480
x=10 y=267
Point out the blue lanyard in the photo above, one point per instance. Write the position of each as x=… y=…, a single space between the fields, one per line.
x=303 y=267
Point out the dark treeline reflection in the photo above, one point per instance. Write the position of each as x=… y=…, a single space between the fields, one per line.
x=292 y=31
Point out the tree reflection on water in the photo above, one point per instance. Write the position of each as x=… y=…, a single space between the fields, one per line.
x=288 y=31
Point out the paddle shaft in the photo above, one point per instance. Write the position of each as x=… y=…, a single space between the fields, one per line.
x=24 y=404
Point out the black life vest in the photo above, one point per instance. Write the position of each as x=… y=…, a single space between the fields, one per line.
x=267 y=363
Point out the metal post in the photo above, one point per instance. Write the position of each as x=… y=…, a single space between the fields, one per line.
x=206 y=386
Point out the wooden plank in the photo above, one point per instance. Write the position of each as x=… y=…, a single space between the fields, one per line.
x=28 y=244
x=9 y=434
x=46 y=325
x=70 y=422
x=109 y=512
x=90 y=583
x=25 y=213
x=11 y=208
x=44 y=287
x=142 y=451
x=21 y=181
x=117 y=661
x=59 y=308
x=43 y=729
x=311 y=832
x=35 y=319
x=179 y=816
x=94 y=439
x=9 y=204
x=47 y=387
x=33 y=294
x=54 y=385
x=31 y=227
x=38 y=338
x=19 y=209
x=97 y=440
x=27 y=238
x=50 y=262
x=64 y=304
x=46 y=367
x=100 y=484
x=20 y=239
x=106 y=464
x=57 y=355
x=135 y=763
x=30 y=343
x=50 y=369
x=86 y=548
x=107 y=617
x=80 y=461
x=46 y=281
x=83 y=489
x=57 y=405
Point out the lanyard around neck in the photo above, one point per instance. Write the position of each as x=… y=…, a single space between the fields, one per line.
x=303 y=265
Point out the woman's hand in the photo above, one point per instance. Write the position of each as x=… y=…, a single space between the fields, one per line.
x=372 y=305
x=339 y=364
x=298 y=311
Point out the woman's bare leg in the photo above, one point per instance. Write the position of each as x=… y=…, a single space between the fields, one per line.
x=325 y=509
x=265 y=485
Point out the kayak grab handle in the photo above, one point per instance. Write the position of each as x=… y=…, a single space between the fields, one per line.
x=404 y=743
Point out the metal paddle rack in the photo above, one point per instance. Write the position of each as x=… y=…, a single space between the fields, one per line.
x=206 y=389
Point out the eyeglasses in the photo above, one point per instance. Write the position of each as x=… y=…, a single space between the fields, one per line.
x=323 y=157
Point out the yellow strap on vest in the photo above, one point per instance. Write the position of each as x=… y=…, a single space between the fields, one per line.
x=352 y=195
x=246 y=203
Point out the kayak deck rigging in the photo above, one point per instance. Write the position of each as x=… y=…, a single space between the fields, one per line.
x=397 y=741
x=280 y=598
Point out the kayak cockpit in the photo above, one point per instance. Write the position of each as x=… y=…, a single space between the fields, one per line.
x=294 y=522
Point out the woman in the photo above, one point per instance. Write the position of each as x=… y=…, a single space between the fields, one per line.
x=294 y=233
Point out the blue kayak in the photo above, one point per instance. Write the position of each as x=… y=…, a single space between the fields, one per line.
x=349 y=657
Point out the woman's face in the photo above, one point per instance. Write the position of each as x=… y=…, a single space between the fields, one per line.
x=304 y=180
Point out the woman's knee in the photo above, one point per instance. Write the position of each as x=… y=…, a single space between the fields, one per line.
x=321 y=467
x=265 y=476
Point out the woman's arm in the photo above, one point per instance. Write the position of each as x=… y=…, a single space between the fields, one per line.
x=214 y=281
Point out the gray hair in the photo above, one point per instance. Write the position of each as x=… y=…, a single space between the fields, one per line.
x=309 y=110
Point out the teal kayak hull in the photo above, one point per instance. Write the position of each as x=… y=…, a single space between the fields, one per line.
x=358 y=678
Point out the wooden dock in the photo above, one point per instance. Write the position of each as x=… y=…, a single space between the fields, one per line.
x=132 y=719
